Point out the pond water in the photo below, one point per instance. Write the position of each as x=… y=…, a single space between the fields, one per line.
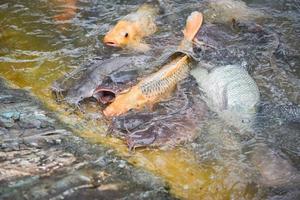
x=35 y=50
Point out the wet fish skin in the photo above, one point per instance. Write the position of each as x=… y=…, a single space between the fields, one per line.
x=131 y=29
x=231 y=92
x=234 y=95
x=290 y=113
x=173 y=122
x=83 y=81
x=284 y=113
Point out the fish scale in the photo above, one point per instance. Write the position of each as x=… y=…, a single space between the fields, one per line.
x=231 y=92
x=165 y=79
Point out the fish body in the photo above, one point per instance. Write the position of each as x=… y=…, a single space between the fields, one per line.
x=173 y=122
x=231 y=92
x=131 y=29
x=162 y=83
x=151 y=89
x=87 y=80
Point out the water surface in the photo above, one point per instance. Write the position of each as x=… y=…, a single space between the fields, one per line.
x=36 y=50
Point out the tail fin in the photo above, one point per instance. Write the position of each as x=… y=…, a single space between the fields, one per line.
x=193 y=24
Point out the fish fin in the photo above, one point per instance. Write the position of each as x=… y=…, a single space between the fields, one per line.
x=193 y=24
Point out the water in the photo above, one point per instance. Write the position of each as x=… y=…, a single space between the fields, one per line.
x=35 y=50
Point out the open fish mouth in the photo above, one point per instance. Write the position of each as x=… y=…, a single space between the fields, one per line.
x=104 y=95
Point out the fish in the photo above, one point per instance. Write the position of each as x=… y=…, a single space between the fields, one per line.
x=223 y=11
x=161 y=84
x=131 y=29
x=68 y=12
x=100 y=79
x=173 y=122
x=231 y=92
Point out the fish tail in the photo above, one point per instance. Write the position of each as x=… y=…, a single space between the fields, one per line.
x=193 y=24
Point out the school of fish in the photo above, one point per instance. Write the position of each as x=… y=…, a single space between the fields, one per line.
x=160 y=84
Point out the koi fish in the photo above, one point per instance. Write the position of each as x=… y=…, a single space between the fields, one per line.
x=162 y=83
x=131 y=29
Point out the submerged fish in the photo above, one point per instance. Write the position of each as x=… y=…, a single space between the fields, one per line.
x=173 y=122
x=161 y=84
x=69 y=10
x=131 y=29
x=223 y=11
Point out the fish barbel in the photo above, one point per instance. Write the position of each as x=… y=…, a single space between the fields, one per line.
x=160 y=84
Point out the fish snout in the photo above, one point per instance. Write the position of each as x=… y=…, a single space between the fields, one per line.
x=117 y=107
x=110 y=42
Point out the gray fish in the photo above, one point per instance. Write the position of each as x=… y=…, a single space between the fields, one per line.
x=99 y=78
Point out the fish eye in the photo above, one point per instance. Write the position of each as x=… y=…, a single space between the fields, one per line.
x=126 y=35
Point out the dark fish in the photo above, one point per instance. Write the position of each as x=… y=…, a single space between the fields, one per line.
x=100 y=79
x=173 y=122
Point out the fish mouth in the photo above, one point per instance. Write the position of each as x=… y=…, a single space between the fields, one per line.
x=104 y=95
x=111 y=44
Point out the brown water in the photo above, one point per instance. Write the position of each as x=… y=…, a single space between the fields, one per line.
x=35 y=50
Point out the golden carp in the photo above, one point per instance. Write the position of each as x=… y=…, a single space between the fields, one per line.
x=131 y=29
x=162 y=83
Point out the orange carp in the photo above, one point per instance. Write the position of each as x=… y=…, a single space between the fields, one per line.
x=162 y=83
x=69 y=10
x=131 y=29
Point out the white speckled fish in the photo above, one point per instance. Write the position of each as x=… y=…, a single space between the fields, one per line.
x=230 y=91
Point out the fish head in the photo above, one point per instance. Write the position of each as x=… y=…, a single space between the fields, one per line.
x=126 y=101
x=124 y=33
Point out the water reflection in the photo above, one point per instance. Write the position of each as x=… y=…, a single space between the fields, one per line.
x=35 y=50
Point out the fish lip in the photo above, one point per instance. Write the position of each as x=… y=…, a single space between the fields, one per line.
x=104 y=95
x=111 y=44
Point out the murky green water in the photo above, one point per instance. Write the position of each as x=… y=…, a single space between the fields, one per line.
x=35 y=50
